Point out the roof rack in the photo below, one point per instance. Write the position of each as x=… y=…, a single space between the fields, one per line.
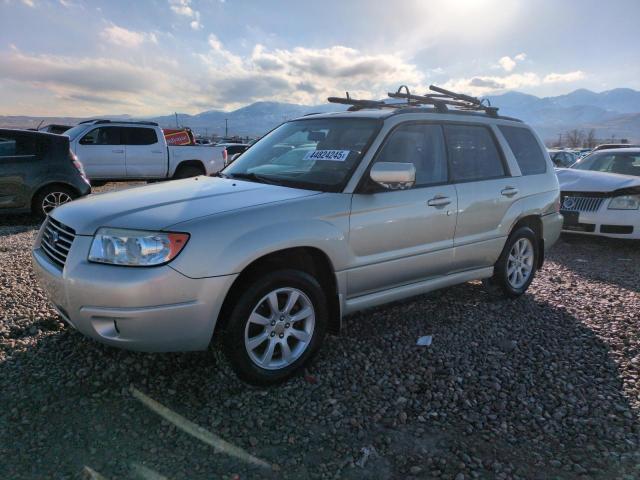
x=132 y=122
x=441 y=101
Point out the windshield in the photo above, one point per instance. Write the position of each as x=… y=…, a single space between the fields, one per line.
x=621 y=163
x=318 y=154
x=72 y=133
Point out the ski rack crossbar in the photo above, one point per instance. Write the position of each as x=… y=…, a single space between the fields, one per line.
x=440 y=100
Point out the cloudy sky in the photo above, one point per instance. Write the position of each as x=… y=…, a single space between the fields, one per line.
x=147 y=57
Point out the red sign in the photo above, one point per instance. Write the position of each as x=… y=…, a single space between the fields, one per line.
x=177 y=137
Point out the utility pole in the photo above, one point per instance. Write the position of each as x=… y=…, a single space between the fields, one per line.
x=226 y=127
x=176 y=114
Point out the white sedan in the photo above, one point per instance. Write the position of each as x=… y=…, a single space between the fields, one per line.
x=600 y=195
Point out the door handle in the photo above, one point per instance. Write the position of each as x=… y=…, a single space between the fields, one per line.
x=439 y=201
x=509 y=191
x=156 y=151
x=117 y=151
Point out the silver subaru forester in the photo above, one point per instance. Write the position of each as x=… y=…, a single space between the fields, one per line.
x=326 y=215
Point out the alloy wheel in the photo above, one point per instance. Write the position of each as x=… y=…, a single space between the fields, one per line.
x=280 y=328
x=520 y=263
x=54 y=200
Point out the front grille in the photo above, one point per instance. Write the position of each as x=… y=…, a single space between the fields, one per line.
x=56 y=241
x=581 y=204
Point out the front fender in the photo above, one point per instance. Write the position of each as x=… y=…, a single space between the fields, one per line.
x=227 y=244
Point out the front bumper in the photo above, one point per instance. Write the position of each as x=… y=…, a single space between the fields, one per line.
x=147 y=309
x=605 y=223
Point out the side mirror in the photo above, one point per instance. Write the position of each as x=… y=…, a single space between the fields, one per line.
x=393 y=176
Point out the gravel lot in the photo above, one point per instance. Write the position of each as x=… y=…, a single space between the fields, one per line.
x=541 y=387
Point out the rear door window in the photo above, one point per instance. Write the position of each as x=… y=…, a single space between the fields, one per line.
x=473 y=153
x=140 y=136
x=103 y=136
x=526 y=149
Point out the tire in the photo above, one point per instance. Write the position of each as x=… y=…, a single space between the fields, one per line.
x=255 y=348
x=188 y=171
x=515 y=269
x=50 y=197
x=98 y=183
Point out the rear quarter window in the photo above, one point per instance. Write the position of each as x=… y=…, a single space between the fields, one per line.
x=20 y=146
x=526 y=149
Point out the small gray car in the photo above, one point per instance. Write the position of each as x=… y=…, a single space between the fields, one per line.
x=326 y=215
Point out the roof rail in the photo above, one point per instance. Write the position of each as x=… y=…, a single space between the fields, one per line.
x=440 y=100
x=128 y=122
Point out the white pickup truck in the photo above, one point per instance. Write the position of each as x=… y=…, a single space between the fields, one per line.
x=113 y=150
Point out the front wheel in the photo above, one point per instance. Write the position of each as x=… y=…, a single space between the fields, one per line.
x=276 y=326
x=517 y=265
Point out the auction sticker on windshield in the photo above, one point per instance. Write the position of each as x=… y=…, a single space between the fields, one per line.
x=335 y=155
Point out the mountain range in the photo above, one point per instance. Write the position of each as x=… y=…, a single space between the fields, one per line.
x=613 y=113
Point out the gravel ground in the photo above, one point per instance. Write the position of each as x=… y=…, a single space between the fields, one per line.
x=545 y=386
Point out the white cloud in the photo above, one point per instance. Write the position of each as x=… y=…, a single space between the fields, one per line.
x=507 y=63
x=218 y=78
x=482 y=85
x=303 y=75
x=29 y=3
x=195 y=24
x=127 y=38
x=183 y=8
x=564 y=77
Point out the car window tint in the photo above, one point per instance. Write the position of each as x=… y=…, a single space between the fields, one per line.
x=473 y=154
x=422 y=145
x=526 y=150
x=140 y=136
x=102 y=136
x=18 y=145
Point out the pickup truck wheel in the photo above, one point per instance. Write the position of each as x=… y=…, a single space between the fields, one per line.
x=516 y=267
x=188 y=171
x=276 y=326
x=47 y=199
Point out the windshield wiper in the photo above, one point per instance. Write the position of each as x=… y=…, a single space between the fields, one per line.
x=253 y=177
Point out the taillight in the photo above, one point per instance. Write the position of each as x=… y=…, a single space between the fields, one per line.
x=78 y=165
x=225 y=156
x=556 y=205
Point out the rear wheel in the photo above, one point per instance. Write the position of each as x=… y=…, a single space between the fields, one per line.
x=51 y=197
x=517 y=265
x=276 y=326
x=187 y=171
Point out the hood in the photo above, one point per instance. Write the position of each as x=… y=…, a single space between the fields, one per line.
x=574 y=180
x=157 y=206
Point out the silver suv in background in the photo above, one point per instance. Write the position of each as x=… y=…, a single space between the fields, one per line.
x=326 y=215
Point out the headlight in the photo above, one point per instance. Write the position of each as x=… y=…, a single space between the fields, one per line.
x=626 y=202
x=135 y=248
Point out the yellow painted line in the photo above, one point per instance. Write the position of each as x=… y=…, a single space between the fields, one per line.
x=197 y=431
